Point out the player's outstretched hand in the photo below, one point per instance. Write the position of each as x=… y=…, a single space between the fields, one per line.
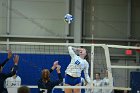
x=9 y=54
x=16 y=59
x=58 y=68
x=55 y=64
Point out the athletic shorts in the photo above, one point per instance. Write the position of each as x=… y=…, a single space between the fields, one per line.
x=72 y=80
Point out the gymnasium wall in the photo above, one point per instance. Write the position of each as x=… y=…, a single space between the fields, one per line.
x=34 y=17
x=108 y=19
x=135 y=18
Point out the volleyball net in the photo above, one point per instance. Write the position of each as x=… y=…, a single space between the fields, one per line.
x=118 y=60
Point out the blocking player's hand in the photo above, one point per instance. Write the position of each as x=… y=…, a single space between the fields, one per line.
x=9 y=54
x=55 y=64
x=58 y=68
x=16 y=59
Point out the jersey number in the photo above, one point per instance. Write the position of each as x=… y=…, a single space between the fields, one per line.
x=77 y=62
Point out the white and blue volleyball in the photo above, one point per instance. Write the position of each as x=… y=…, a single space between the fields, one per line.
x=68 y=18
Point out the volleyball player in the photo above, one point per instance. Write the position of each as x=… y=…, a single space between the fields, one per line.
x=4 y=76
x=97 y=83
x=45 y=85
x=107 y=83
x=74 y=69
x=13 y=83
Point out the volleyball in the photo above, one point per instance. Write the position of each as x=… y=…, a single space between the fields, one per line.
x=68 y=18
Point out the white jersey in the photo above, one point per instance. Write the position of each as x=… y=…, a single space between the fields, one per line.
x=13 y=84
x=76 y=66
x=97 y=83
x=107 y=83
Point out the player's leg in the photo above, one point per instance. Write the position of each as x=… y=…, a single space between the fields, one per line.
x=68 y=82
x=78 y=90
x=68 y=90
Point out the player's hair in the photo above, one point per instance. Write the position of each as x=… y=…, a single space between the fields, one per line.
x=86 y=57
x=48 y=74
x=23 y=89
x=97 y=73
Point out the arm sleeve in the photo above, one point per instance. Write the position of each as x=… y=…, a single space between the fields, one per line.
x=5 y=61
x=71 y=51
x=86 y=73
x=51 y=70
x=57 y=82
x=12 y=73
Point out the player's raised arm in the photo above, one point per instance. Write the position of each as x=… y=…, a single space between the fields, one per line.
x=8 y=57
x=60 y=80
x=16 y=60
x=54 y=66
x=72 y=51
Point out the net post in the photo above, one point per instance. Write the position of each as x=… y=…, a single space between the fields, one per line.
x=108 y=62
x=92 y=62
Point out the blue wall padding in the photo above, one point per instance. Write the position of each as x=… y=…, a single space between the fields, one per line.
x=30 y=66
x=135 y=81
